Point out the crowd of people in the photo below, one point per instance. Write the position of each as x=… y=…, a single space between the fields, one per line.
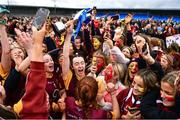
x=113 y=69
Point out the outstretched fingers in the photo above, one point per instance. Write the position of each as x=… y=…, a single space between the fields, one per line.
x=38 y=36
x=24 y=39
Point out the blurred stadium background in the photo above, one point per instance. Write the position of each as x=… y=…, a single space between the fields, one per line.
x=143 y=9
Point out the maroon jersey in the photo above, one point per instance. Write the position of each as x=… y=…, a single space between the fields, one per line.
x=126 y=99
x=73 y=111
x=54 y=86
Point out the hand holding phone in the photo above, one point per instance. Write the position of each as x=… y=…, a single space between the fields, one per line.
x=145 y=49
x=40 y=18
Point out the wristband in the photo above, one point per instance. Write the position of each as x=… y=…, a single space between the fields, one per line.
x=3 y=22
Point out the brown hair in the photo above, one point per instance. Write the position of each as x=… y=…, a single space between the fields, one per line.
x=99 y=38
x=149 y=79
x=74 y=56
x=119 y=70
x=130 y=50
x=171 y=77
x=86 y=91
x=156 y=42
x=99 y=53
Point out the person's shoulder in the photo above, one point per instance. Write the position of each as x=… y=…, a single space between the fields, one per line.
x=70 y=102
x=123 y=93
x=178 y=97
x=101 y=114
x=70 y=99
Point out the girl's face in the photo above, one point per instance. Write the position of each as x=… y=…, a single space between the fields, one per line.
x=108 y=73
x=164 y=62
x=44 y=48
x=49 y=63
x=52 y=35
x=138 y=86
x=17 y=52
x=126 y=52
x=119 y=43
x=113 y=57
x=96 y=43
x=132 y=69
x=77 y=43
x=99 y=62
x=61 y=59
x=167 y=94
x=71 y=49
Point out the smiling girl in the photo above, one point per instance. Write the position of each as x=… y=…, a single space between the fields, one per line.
x=129 y=99
x=164 y=103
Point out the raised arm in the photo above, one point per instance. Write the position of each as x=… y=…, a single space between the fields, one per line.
x=155 y=66
x=66 y=48
x=116 y=109
x=120 y=56
x=34 y=103
x=23 y=67
x=5 y=57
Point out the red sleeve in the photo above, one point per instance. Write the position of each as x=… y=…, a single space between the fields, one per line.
x=35 y=104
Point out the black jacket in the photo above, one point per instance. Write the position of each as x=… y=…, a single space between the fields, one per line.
x=150 y=110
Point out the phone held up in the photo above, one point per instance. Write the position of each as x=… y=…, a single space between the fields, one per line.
x=40 y=17
x=144 y=49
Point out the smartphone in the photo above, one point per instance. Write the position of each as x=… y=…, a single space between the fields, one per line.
x=133 y=110
x=40 y=17
x=144 y=49
x=115 y=17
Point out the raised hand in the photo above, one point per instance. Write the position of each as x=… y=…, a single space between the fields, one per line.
x=24 y=39
x=18 y=60
x=146 y=51
x=109 y=21
x=128 y=18
x=139 y=43
x=70 y=25
x=129 y=115
x=37 y=49
x=146 y=55
x=93 y=69
x=111 y=88
x=38 y=36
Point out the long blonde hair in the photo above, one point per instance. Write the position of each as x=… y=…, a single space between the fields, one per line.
x=119 y=70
